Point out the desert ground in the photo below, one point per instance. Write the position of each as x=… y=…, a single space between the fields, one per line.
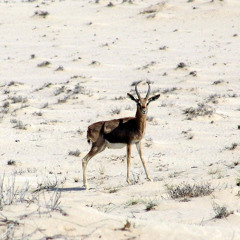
x=67 y=64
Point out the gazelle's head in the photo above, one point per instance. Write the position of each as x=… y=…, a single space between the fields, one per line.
x=142 y=103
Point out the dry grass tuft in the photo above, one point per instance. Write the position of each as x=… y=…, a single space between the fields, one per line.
x=11 y=162
x=19 y=99
x=151 y=204
x=221 y=211
x=201 y=111
x=186 y=190
x=133 y=202
x=9 y=193
x=116 y=110
x=153 y=8
x=75 y=153
x=20 y=125
x=42 y=14
x=232 y=147
x=44 y=64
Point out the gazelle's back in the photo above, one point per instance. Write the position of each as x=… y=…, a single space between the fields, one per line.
x=94 y=130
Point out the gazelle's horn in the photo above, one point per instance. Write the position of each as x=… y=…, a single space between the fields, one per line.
x=149 y=90
x=137 y=90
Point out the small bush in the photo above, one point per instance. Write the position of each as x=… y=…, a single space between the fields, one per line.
x=185 y=190
x=114 y=190
x=116 y=111
x=163 y=48
x=44 y=64
x=45 y=85
x=49 y=183
x=233 y=146
x=202 y=110
x=213 y=98
x=39 y=114
x=119 y=98
x=43 y=14
x=78 y=89
x=54 y=202
x=135 y=178
x=9 y=193
x=153 y=8
x=6 y=105
x=19 y=125
x=217 y=82
x=63 y=99
x=221 y=211
x=133 y=202
x=59 y=90
x=151 y=204
x=75 y=153
x=18 y=99
x=11 y=162
x=169 y=90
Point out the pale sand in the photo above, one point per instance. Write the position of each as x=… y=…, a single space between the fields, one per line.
x=102 y=51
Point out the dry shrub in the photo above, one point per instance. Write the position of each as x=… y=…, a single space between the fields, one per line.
x=221 y=211
x=75 y=153
x=185 y=190
x=201 y=111
x=154 y=8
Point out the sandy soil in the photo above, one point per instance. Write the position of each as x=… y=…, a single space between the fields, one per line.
x=67 y=64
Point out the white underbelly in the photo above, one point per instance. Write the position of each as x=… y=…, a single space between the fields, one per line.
x=116 y=145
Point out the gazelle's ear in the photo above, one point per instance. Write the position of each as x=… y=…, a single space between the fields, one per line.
x=132 y=97
x=154 y=98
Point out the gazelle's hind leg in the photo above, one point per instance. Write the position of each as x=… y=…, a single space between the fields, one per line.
x=94 y=150
x=138 y=145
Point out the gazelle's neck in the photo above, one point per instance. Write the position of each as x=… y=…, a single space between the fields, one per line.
x=141 y=120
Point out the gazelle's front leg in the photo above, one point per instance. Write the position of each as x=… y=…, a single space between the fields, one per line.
x=128 y=161
x=138 y=145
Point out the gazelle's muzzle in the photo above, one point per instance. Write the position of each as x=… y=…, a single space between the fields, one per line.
x=144 y=111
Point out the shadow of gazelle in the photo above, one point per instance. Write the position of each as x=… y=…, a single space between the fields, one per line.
x=76 y=189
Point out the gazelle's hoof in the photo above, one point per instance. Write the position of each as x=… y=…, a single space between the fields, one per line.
x=149 y=179
x=128 y=181
x=85 y=186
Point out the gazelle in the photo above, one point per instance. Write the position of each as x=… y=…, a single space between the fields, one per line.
x=118 y=133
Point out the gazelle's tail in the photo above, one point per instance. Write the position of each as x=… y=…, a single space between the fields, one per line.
x=88 y=135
